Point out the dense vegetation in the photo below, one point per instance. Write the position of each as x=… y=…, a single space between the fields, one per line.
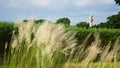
x=64 y=21
x=54 y=46
x=6 y=30
x=46 y=45
x=108 y=30
x=82 y=31
x=117 y=2
x=106 y=35
x=113 y=22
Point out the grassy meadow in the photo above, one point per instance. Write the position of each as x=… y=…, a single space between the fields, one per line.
x=51 y=45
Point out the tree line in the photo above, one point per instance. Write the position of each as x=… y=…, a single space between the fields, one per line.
x=112 y=22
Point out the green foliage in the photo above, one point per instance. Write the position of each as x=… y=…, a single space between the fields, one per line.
x=82 y=24
x=36 y=21
x=51 y=46
x=40 y=21
x=6 y=30
x=40 y=47
x=101 y=25
x=117 y=2
x=25 y=20
x=106 y=35
x=64 y=21
x=113 y=22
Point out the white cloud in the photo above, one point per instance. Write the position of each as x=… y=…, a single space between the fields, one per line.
x=109 y=1
x=41 y=2
x=82 y=3
x=52 y=4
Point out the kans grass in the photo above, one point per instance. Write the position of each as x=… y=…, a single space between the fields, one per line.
x=52 y=46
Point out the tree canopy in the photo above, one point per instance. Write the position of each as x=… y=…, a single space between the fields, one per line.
x=40 y=21
x=36 y=21
x=117 y=2
x=82 y=24
x=65 y=21
x=112 y=22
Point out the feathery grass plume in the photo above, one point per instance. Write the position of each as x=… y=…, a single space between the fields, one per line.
x=81 y=48
x=26 y=30
x=117 y=49
x=87 y=53
x=111 y=54
x=19 y=50
x=53 y=39
x=106 y=54
x=92 y=51
x=52 y=36
x=45 y=46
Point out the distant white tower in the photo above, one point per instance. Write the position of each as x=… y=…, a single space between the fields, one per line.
x=90 y=20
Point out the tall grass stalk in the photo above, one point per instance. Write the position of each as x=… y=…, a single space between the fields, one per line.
x=107 y=58
x=46 y=46
x=52 y=46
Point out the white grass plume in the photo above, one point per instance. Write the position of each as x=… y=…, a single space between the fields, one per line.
x=43 y=43
x=54 y=37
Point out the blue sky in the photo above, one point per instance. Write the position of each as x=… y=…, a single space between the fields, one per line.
x=75 y=10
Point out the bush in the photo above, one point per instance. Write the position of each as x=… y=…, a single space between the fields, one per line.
x=6 y=30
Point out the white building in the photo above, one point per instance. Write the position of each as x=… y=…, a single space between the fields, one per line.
x=90 y=20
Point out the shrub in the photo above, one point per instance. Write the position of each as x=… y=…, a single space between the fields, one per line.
x=6 y=30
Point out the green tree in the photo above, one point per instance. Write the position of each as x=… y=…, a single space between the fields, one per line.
x=40 y=21
x=82 y=24
x=114 y=21
x=117 y=2
x=25 y=20
x=102 y=25
x=64 y=21
x=36 y=21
